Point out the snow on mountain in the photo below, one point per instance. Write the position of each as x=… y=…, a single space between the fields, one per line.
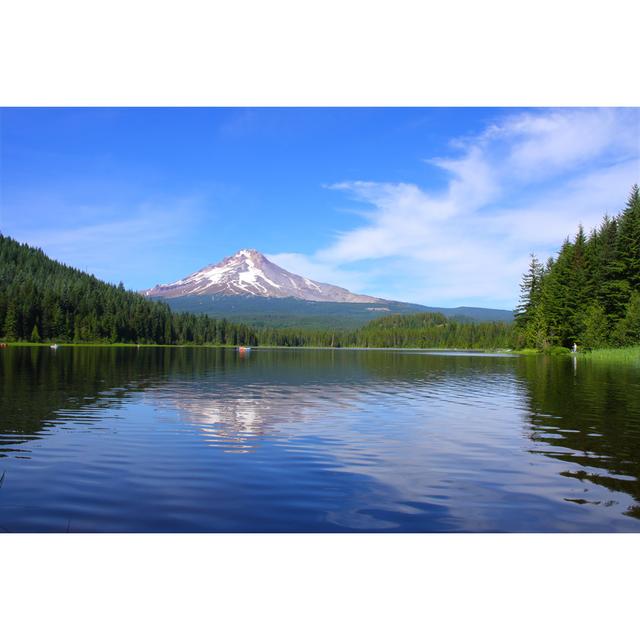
x=249 y=273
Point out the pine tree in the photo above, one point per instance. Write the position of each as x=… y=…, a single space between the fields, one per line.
x=596 y=331
x=529 y=291
x=35 y=334
x=629 y=241
x=628 y=328
x=537 y=330
x=11 y=323
x=607 y=289
x=579 y=281
x=556 y=296
x=167 y=338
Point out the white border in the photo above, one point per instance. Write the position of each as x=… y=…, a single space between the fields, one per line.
x=312 y=52
x=501 y=586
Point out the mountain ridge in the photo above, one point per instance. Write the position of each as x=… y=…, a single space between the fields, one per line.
x=291 y=312
x=248 y=272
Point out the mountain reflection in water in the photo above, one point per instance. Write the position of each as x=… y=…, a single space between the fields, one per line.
x=125 y=439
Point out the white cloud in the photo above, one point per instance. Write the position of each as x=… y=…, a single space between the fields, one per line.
x=324 y=271
x=561 y=140
x=521 y=185
x=551 y=217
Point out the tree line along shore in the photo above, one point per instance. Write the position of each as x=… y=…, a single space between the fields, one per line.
x=589 y=294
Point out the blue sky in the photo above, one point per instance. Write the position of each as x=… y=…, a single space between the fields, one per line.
x=435 y=206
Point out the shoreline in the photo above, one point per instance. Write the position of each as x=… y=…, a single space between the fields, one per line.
x=252 y=347
x=630 y=355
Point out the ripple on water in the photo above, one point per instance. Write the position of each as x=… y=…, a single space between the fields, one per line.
x=196 y=440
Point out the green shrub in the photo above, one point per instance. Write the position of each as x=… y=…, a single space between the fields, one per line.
x=557 y=351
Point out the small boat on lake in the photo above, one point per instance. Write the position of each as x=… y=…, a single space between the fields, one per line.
x=244 y=349
x=54 y=346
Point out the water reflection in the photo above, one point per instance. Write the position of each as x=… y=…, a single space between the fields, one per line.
x=592 y=423
x=239 y=406
x=112 y=439
x=232 y=423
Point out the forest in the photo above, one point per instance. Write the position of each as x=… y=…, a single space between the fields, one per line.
x=589 y=294
x=44 y=300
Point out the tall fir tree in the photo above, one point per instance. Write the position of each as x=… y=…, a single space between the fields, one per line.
x=35 y=334
x=628 y=257
x=11 y=323
x=595 y=331
x=627 y=331
x=530 y=288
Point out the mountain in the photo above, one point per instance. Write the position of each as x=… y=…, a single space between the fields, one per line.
x=249 y=288
x=249 y=273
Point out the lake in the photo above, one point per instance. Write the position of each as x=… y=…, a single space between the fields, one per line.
x=118 y=439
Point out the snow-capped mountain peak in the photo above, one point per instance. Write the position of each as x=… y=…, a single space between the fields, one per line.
x=249 y=273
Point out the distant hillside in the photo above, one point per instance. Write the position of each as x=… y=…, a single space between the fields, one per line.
x=291 y=312
x=417 y=330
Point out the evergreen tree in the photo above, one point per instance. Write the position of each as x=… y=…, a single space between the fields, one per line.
x=628 y=257
x=628 y=328
x=556 y=296
x=530 y=288
x=537 y=331
x=596 y=331
x=578 y=285
x=11 y=323
x=608 y=290
x=35 y=334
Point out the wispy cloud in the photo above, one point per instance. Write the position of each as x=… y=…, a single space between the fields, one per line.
x=521 y=185
x=112 y=242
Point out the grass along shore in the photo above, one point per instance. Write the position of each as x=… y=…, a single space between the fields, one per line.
x=622 y=355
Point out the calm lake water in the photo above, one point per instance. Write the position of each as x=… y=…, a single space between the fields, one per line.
x=198 y=439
